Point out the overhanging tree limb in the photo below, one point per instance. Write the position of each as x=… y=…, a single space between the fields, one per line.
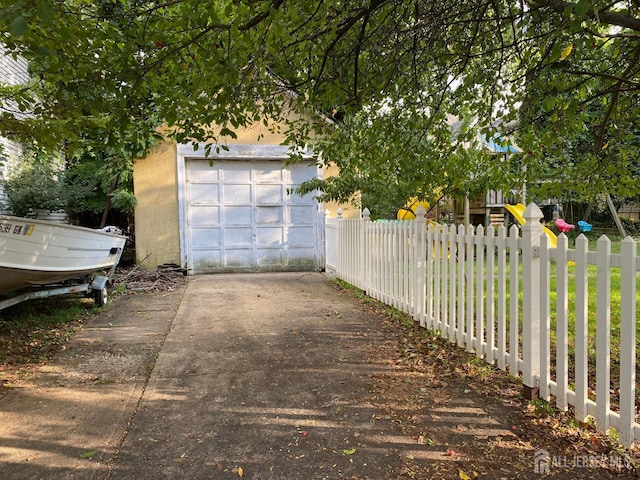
x=606 y=16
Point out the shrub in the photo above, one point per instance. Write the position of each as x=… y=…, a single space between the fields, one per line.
x=34 y=184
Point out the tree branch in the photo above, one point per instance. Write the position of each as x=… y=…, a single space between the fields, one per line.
x=614 y=101
x=604 y=16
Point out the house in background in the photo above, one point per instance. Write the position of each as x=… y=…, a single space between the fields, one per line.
x=231 y=211
x=12 y=72
x=490 y=209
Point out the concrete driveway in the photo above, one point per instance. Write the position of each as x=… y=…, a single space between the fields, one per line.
x=270 y=376
x=262 y=376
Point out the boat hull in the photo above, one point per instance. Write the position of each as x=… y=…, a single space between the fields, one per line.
x=35 y=252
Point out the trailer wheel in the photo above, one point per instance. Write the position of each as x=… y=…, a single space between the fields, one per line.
x=101 y=297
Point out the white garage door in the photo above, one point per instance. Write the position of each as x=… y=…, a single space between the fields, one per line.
x=241 y=217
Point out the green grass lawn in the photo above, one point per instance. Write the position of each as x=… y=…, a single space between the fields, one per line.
x=615 y=317
x=615 y=294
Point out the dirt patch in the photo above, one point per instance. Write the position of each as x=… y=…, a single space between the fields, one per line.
x=30 y=334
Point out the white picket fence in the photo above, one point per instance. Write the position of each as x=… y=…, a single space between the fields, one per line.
x=490 y=290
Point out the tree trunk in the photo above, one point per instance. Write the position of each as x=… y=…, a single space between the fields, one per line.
x=616 y=218
x=105 y=212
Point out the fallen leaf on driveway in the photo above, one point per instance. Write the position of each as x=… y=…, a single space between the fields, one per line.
x=239 y=471
x=422 y=440
x=350 y=451
x=89 y=454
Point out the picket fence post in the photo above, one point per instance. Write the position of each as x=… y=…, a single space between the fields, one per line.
x=531 y=233
x=341 y=246
x=628 y=343
x=363 y=274
x=326 y=239
x=420 y=253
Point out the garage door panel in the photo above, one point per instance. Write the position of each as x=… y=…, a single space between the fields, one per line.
x=204 y=215
x=206 y=260
x=300 y=236
x=269 y=215
x=235 y=172
x=268 y=236
x=204 y=193
x=268 y=173
x=269 y=194
x=296 y=255
x=236 y=194
x=200 y=171
x=205 y=238
x=302 y=215
x=238 y=237
x=238 y=215
x=302 y=172
x=295 y=199
x=270 y=257
x=238 y=258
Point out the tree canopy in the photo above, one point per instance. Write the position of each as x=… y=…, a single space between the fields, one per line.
x=380 y=82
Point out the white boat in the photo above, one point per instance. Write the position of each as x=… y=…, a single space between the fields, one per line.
x=36 y=253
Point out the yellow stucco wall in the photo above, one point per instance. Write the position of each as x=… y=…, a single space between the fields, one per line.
x=350 y=210
x=157 y=221
x=256 y=133
x=156 y=214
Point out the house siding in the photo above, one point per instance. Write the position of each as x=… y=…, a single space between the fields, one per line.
x=13 y=71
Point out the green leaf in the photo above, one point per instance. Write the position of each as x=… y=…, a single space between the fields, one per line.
x=226 y=132
x=582 y=7
x=349 y=451
x=18 y=26
x=576 y=25
x=45 y=12
x=90 y=454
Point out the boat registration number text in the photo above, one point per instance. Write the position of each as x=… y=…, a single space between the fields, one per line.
x=20 y=229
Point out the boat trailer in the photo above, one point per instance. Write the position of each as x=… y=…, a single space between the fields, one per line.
x=95 y=287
